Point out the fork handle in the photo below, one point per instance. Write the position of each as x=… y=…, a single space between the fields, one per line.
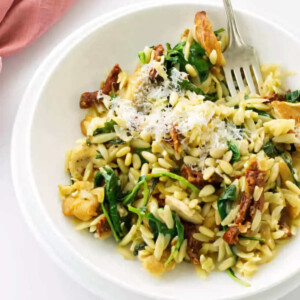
x=234 y=35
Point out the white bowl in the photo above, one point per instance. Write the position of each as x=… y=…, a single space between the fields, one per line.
x=48 y=123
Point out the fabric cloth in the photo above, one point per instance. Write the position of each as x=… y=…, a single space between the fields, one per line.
x=23 y=21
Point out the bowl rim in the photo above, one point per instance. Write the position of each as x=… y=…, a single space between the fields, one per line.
x=52 y=61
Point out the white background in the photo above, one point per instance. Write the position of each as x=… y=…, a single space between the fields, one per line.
x=26 y=272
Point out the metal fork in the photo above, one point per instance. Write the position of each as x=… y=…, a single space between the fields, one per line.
x=240 y=58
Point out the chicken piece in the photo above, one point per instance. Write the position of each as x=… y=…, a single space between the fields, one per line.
x=83 y=124
x=207 y=38
x=157 y=267
x=284 y=172
x=79 y=158
x=196 y=177
x=285 y=110
x=79 y=201
x=184 y=212
x=193 y=245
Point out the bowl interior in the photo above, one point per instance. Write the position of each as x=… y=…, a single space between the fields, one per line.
x=55 y=128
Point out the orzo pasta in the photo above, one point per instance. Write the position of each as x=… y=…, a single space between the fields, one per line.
x=174 y=169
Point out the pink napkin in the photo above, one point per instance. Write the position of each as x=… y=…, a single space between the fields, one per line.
x=23 y=21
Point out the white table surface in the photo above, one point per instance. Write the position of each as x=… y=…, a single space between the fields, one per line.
x=26 y=271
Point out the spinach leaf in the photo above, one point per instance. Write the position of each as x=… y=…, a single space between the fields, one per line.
x=293 y=97
x=146 y=192
x=153 y=184
x=196 y=59
x=211 y=97
x=108 y=127
x=180 y=237
x=230 y=194
x=142 y=57
x=175 y=57
x=196 y=50
x=231 y=273
x=287 y=159
x=157 y=226
x=139 y=153
x=246 y=96
x=99 y=155
x=98 y=180
x=259 y=112
x=109 y=222
x=251 y=238
x=139 y=247
x=179 y=46
x=113 y=195
x=168 y=46
x=116 y=141
x=139 y=211
x=219 y=31
x=233 y=251
x=235 y=151
x=187 y=85
x=223 y=202
x=175 y=177
x=129 y=198
x=270 y=150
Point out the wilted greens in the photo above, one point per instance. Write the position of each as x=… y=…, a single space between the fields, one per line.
x=108 y=127
x=113 y=195
x=224 y=202
x=189 y=86
x=293 y=97
x=232 y=146
x=259 y=112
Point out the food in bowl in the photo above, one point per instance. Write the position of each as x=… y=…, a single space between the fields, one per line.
x=174 y=169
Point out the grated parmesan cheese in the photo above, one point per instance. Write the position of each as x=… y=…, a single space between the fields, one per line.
x=202 y=122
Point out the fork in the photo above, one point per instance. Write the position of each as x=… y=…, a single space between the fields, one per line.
x=240 y=58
